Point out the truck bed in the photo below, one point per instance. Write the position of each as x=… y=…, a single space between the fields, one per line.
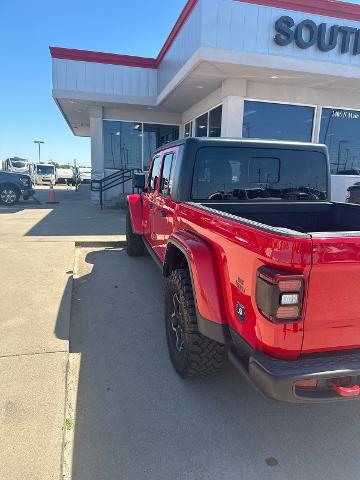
x=309 y=218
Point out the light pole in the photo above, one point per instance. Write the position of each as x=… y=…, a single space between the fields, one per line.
x=39 y=142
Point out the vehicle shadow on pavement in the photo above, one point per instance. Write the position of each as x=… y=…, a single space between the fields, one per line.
x=136 y=419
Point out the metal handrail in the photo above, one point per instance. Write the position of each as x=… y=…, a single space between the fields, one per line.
x=117 y=178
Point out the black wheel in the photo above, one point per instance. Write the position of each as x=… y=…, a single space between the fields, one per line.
x=190 y=352
x=25 y=197
x=134 y=243
x=9 y=194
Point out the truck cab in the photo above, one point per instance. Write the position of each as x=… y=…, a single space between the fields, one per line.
x=44 y=174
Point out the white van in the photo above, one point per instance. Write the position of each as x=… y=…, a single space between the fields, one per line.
x=44 y=174
x=85 y=174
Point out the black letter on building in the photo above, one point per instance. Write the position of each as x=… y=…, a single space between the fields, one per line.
x=345 y=43
x=356 y=50
x=285 y=35
x=324 y=45
x=299 y=38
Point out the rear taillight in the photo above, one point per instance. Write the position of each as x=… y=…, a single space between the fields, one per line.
x=279 y=295
x=309 y=384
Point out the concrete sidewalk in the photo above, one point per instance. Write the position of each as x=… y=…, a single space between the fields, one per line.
x=37 y=245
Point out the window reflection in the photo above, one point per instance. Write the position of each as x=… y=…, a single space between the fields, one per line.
x=124 y=142
x=340 y=131
x=274 y=121
x=188 y=130
x=228 y=173
x=215 y=116
x=157 y=135
x=201 y=125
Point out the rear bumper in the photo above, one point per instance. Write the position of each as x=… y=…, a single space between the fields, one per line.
x=276 y=378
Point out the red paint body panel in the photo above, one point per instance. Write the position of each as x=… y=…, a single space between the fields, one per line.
x=333 y=315
x=205 y=275
x=240 y=250
x=135 y=205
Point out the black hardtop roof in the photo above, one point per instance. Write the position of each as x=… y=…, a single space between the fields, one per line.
x=234 y=142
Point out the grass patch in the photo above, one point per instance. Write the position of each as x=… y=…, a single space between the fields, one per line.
x=69 y=423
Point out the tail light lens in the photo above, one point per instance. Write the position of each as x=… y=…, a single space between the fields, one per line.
x=309 y=384
x=279 y=295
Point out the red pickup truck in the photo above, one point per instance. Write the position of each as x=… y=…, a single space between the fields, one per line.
x=260 y=266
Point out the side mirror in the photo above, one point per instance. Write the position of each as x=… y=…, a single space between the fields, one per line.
x=139 y=180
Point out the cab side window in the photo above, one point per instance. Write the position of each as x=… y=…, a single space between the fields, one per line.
x=154 y=174
x=167 y=170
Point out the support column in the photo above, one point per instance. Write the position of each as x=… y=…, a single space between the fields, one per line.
x=97 y=148
x=233 y=93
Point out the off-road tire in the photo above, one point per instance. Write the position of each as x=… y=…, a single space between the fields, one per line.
x=134 y=243
x=200 y=355
x=13 y=195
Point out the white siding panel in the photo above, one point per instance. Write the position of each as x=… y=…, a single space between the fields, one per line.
x=237 y=30
x=209 y=20
x=184 y=45
x=224 y=26
x=246 y=27
x=102 y=78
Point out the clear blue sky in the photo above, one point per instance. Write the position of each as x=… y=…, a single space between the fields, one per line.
x=27 y=110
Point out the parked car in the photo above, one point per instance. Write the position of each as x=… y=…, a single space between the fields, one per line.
x=259 y=265
x=13 y=186
x=353 y=193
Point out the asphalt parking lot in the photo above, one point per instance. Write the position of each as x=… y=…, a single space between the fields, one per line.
x=136 y=419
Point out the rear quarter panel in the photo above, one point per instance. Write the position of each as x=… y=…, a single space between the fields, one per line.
x=240 y=250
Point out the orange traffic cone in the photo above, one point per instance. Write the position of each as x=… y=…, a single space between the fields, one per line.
x=51 y=195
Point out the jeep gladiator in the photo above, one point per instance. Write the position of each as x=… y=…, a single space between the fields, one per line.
x=260 y=266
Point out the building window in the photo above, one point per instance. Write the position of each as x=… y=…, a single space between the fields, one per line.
x=274 y=121
x=122 y=144
x=201 y=125
x=131 y=144
x=188 y=130
x=340 y=131
x=215 y=117
x=155 y=136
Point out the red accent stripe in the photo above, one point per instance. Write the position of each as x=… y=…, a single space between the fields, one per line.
x=328 y=8
x=100 y=57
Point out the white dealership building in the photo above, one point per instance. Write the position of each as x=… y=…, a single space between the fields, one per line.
x=274 y=69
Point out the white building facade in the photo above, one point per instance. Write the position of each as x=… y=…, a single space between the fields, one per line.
x=273 y=69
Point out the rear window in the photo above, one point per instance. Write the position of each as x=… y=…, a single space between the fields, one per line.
x=230 y=173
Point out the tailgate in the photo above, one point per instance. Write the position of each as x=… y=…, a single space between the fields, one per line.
x=332 y=317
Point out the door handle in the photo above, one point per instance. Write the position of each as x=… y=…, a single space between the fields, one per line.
x=163 y=213
x=151 y=206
